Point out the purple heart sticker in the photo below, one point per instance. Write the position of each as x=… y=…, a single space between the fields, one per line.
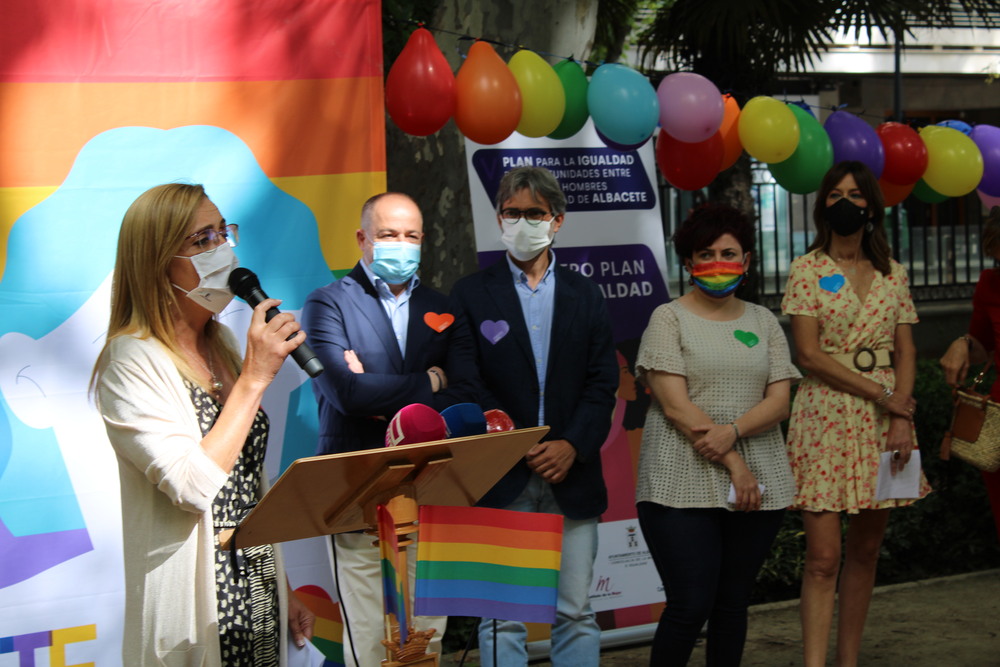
x=832 y=283
x=494 y=331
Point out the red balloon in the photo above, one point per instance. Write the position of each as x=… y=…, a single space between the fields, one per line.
x=894 y=194
x=689 y=166
x=905 y=153
x=420 y=88
x=489 y=101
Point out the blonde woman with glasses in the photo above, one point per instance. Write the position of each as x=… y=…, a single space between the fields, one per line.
x=182 y=411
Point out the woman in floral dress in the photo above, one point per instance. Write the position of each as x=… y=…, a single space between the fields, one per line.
x=851 y=316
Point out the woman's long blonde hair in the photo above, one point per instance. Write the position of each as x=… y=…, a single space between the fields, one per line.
x=143 y=302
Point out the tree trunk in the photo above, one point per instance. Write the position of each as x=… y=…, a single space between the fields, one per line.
x=432 y=169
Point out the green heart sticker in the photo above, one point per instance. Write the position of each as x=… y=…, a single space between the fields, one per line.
x=748 y=338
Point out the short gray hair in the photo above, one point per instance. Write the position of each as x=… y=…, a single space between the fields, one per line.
x=538 y=180
x=368 y=208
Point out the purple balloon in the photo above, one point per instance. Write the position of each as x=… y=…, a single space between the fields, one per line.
x=987 y=140
x=854 y=139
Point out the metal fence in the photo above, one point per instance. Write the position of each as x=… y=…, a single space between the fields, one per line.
x=939 y=244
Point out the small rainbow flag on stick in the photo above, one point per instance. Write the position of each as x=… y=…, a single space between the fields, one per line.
x=474 y=561
x=392 y=583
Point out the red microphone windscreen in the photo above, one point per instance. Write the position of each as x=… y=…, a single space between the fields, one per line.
x=413 y=424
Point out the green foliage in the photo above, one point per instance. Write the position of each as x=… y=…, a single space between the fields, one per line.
x=744 y=45
x=952 y=530
x=461 y=633
x=949 y=532
x=397 y=26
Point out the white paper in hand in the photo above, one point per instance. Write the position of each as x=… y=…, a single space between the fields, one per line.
x=904 y=484
x=731 y=498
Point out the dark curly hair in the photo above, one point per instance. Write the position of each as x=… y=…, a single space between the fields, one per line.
x=707 y=223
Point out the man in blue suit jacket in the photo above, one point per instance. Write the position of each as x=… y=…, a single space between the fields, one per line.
x=545 y=355
x=386 y=341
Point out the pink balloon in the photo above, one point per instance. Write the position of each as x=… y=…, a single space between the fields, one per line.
x=989 y=201
x=420 y=88
x=691 y=107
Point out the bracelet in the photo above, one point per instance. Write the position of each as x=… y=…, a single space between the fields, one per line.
x=737 y=429
x=886 y=395
x=440 y=381
x=968 y=341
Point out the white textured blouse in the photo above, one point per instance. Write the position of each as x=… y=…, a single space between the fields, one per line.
x=728 y=366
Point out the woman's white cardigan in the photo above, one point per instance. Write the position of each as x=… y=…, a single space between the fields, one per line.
x=168 y=484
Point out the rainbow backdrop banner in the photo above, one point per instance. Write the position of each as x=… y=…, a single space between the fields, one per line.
x=277 y=108
x=475 y=561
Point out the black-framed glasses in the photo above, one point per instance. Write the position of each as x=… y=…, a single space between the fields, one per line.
x=533 y=216
x=207 y=239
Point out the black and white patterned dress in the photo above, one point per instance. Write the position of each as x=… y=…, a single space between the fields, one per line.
x=246 y=582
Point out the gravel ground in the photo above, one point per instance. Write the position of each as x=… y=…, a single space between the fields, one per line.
x=946 y=622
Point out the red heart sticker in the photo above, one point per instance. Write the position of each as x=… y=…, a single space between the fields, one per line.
x=438 y=322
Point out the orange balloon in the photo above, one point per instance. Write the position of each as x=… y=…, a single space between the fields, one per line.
x=729 y=131
x=894 y=194
x=488 y=106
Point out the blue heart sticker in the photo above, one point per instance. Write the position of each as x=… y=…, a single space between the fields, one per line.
x=832 y=283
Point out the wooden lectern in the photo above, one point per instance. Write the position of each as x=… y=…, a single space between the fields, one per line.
x=337 y=493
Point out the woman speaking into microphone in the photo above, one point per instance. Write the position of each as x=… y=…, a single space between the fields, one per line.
x=182 y=411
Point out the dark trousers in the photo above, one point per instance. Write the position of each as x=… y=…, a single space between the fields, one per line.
x=708 y=559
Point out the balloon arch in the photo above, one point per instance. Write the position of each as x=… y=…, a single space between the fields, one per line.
x=702 y=132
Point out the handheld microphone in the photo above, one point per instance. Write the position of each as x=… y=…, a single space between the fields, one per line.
x=245 y=285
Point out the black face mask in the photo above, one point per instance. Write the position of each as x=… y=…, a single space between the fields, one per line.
x=845 y=218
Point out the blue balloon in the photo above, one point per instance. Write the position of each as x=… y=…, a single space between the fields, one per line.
x=959 y=125
x=623 y=104
x=805 y=107
x=620 y=147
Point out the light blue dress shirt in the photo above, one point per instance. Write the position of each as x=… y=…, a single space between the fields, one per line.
x=537 y=305
x=397 y=308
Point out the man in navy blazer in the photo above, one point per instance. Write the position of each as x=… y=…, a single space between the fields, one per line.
x=386 y=341
x=545 y=354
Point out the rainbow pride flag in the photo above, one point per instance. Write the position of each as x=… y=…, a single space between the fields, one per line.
x=474 y=561
x=328 y=633
x=392 y=584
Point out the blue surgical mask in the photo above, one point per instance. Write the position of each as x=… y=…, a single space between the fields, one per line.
x=395 y=261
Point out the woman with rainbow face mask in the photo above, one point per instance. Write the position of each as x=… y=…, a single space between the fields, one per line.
x=714 y=477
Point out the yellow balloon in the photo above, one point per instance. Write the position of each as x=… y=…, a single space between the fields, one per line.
x=543 y=102
x=768 y=129
x=954 y=162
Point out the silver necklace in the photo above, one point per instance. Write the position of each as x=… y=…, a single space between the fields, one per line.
x=215 y=384
x=854 y=264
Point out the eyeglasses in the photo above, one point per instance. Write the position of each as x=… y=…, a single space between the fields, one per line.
x=533 y=216
x=210 y=238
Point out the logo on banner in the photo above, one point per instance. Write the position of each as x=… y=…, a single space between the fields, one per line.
x=593 y=179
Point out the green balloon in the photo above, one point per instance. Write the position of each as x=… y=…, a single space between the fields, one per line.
x=927 y=194
x=803 y=171
x=574 y=82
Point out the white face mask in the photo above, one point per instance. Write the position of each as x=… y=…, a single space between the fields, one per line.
x=213 y=267
x=524 y=241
